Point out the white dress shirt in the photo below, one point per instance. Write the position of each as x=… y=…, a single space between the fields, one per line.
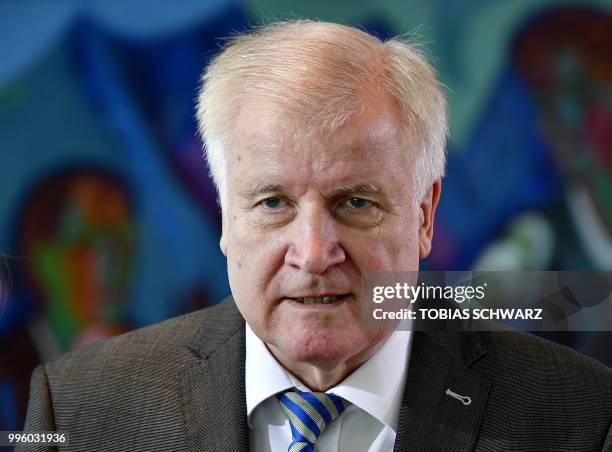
x=375 y=391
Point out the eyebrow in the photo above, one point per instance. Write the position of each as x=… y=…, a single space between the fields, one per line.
x=355 y=189
x=262 y=189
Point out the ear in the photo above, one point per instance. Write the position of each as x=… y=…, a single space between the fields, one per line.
x=223 y=245
x=427 y=210
x=223 y=240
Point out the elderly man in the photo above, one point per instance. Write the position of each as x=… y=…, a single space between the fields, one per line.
x=327 y=148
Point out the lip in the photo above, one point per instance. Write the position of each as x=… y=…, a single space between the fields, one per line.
x=319 y=294
x=333 y=305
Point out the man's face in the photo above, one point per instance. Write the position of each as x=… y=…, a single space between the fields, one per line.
x=306 y=217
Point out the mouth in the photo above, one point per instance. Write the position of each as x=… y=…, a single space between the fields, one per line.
x=320 y=300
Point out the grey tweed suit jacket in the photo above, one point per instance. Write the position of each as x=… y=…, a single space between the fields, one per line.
x=179 y=386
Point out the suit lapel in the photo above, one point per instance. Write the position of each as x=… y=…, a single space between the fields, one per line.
x=212 y=390
x=213 y=396
x=432 y=417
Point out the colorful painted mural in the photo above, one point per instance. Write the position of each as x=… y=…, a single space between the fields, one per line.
x=109 y=217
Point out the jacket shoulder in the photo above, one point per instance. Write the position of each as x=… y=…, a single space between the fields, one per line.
x=124 y=392
x=543 y=395
x=148 y=358
x=165 y=341
x=536 y=358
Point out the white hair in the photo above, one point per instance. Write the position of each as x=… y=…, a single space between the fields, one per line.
x=318 y=75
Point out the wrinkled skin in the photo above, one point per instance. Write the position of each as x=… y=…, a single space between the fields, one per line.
x=306 y=216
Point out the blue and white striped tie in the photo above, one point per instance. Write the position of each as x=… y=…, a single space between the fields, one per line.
x=309 y=413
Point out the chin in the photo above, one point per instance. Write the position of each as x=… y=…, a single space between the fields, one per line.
x=324 y=349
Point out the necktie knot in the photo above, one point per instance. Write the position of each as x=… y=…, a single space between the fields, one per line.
x=309 y=413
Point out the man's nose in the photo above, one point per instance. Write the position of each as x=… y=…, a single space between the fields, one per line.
x=314 y=243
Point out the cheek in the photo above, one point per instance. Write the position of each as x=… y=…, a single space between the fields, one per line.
x=386 y=250
x=253 y=259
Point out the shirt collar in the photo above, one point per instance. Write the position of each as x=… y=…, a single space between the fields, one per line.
x=264 y=376
x=376 y=386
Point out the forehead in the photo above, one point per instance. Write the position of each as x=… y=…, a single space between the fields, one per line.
x=369 y=142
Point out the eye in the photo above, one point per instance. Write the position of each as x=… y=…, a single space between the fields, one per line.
x=273 y=211
x=272 y=203
x=356 y=203
x=358 y=212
